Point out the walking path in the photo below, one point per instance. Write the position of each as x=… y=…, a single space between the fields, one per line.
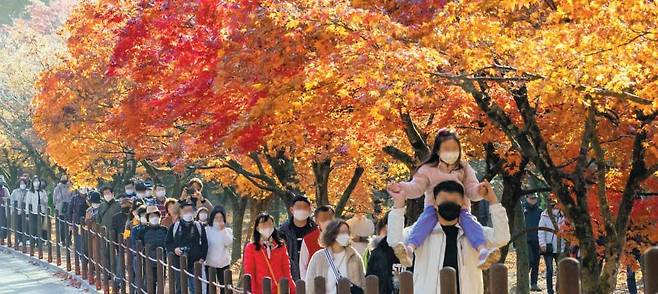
x=20 y=275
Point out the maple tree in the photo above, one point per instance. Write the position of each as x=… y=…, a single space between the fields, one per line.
x=334 y=98
x=27 y=47
x=571 y=85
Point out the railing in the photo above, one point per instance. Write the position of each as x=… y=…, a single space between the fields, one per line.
x=98 y=256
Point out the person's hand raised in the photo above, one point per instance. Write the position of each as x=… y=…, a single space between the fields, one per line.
x=489 y=194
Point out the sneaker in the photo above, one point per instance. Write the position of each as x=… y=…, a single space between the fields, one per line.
x=403 y=254
x=488 y=257
x=535 y=288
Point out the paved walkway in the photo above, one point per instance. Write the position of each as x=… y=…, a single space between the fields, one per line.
x=18 y=275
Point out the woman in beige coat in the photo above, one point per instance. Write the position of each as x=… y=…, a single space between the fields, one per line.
x=336 y=242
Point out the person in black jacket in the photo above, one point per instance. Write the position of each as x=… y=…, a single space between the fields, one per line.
x=295 y=229
x=153 y=236
x=187 y=237
x=532 y=213
x=382 y=262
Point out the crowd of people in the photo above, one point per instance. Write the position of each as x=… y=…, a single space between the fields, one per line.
x=312 y=242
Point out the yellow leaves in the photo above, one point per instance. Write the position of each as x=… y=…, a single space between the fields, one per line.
x=292 y=24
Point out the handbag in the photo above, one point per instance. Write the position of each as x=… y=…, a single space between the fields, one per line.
x=354 y=289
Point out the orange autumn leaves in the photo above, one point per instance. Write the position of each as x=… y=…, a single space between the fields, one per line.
x=183 y=82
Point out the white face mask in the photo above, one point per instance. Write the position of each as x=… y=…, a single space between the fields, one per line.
x=108 y=197
x=449 y=157
x=130 y=191
x=142 y=219
x=154 y=220
x=95 y=205
x=36 y=184
x=188 y=217
x=140 y=195
x=203 y=216
x=300 y=214
x=266 y=232
x=23 y=186
x=343 y=239
x=160 y=194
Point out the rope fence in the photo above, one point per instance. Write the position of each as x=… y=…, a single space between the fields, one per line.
x=106 y=260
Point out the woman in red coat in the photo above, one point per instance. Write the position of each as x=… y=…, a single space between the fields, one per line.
x=267 y=256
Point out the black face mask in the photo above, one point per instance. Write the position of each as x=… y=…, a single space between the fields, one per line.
x=449 y=210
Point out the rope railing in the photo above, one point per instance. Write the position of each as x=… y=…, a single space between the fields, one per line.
x=94 y=253
x=107 y=261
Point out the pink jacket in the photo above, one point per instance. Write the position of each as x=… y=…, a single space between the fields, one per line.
x=428 y=176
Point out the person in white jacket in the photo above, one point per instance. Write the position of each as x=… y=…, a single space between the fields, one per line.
x=220 y=239
x=548 y=242
x=38 y=198
x=447 y=245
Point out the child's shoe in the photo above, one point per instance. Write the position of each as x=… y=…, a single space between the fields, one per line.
x=488 y=257
x=404 y=254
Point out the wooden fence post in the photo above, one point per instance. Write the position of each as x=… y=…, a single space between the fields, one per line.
x=67 y=247
x=58 y=231
x=344 y=286
x=160 y=270
x=171 y=274
x=148 y=269
x=79 y=244
x=568 y=279
x=212 y=279
x=228 y=281
x=90 y=253
x=448 y=277
x=139 y=266
x=104 y=258
x=33 y=239
x=26 y=229
x=651 y=270
x=267 y=285
x=129 y=264
x=112 y=237
x=498 y=279
x=406 y=282
x=98 y=257
x=284 y=286
x=300 y=287
x=50 y=244
x=372 y=284
x=320 y=286
x=4 y=226
x=14 y=224
x=198 y=274
x=246 y=283
x=39 y=233
x=183 y=275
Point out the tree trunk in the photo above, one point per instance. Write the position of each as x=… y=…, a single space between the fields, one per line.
x=239 y=208
x=321 y=172
x=340 y=207
x=521 y=246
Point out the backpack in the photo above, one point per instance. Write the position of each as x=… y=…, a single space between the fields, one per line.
x=177 y=224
